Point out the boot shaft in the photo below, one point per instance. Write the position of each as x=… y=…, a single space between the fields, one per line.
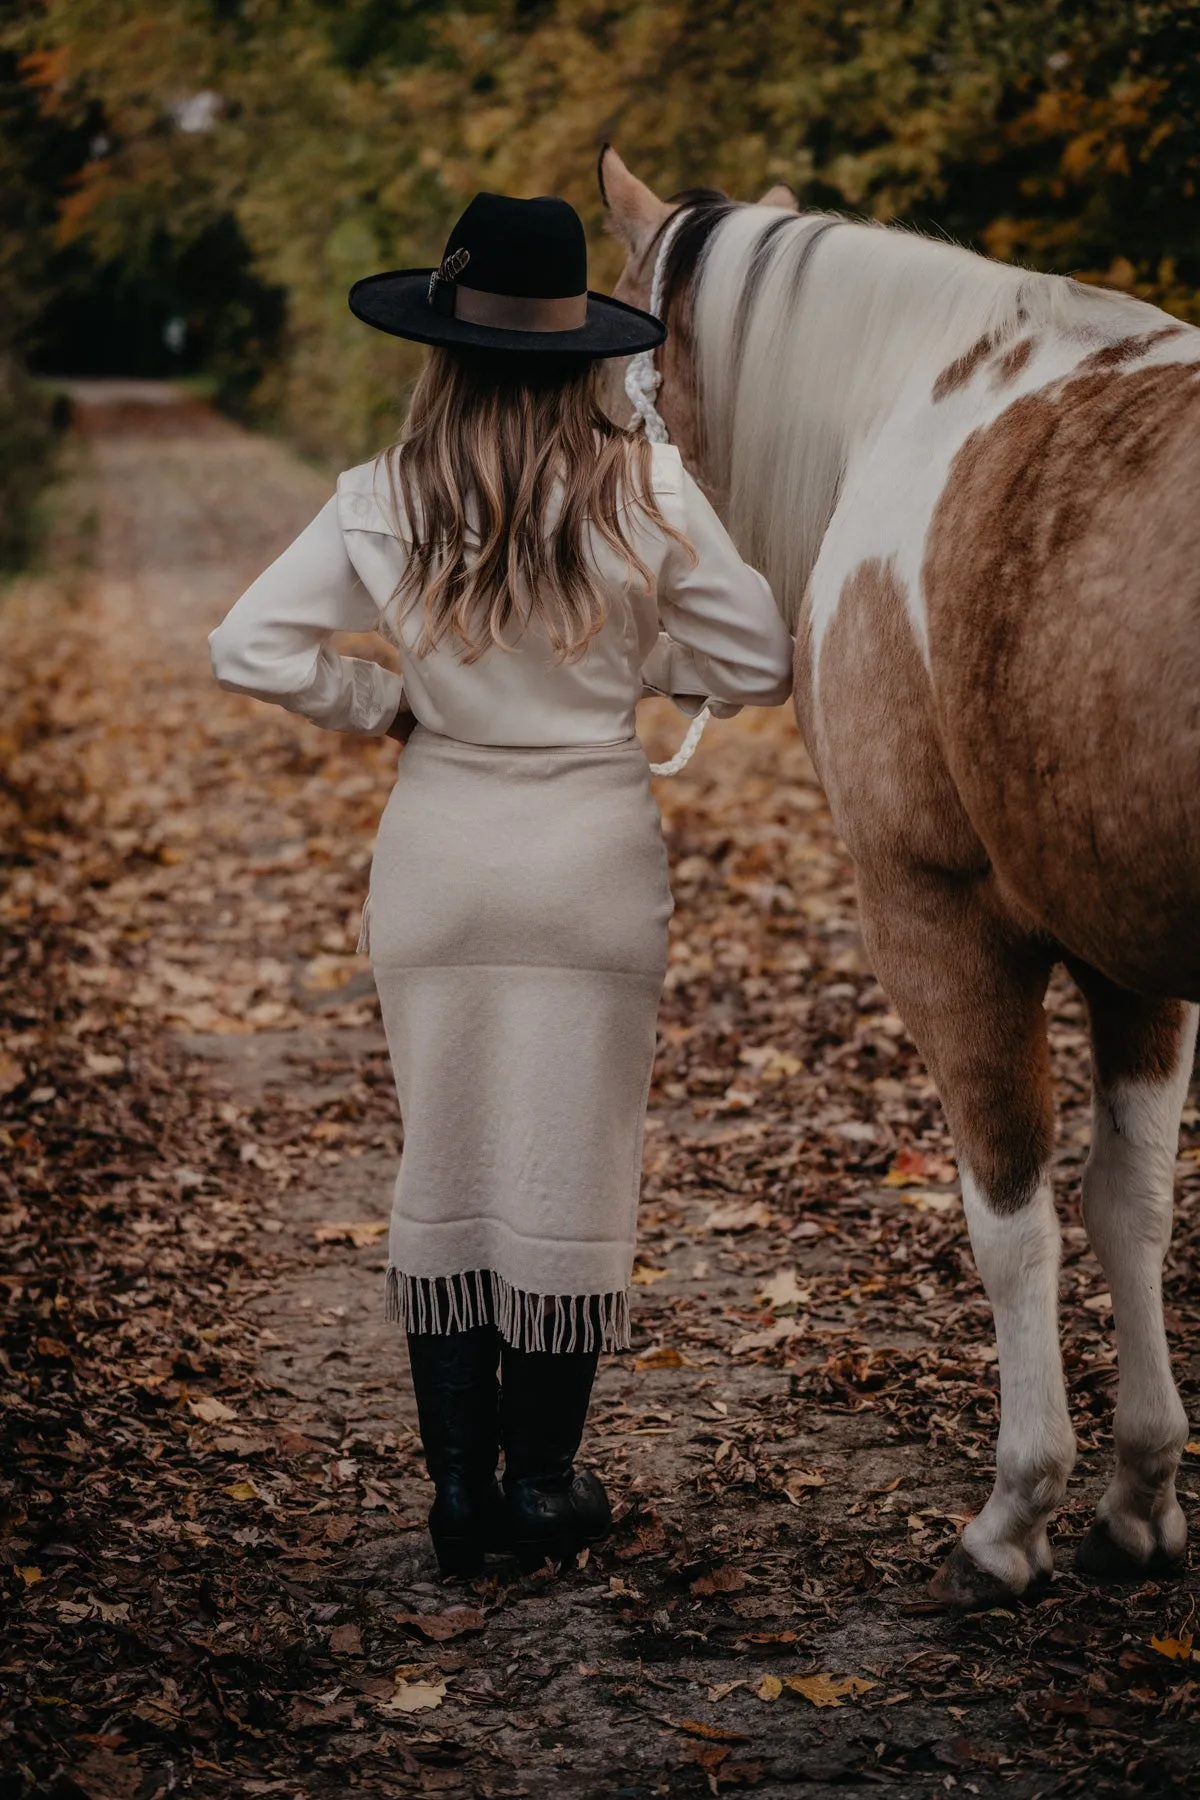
x=455 y=1382
x=544 y=1397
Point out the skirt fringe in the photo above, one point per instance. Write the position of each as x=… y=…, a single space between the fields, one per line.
x=554 y=1322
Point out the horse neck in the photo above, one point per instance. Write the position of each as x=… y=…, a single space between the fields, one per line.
x=811 y=334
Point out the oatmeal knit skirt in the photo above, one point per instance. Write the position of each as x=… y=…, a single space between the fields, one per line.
x=518 y=934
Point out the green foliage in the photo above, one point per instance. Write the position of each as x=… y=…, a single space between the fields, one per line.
x=348 y=133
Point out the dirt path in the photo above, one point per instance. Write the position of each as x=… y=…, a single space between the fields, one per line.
x=214 y=1544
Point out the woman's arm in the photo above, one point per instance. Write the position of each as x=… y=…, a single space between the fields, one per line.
x=729 y=641
x=274 y=644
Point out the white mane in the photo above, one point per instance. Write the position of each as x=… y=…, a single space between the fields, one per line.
x=840 y=323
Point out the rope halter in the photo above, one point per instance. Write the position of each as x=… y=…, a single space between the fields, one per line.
x=642 y=382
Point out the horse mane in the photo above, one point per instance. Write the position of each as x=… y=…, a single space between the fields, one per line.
x=807 y=331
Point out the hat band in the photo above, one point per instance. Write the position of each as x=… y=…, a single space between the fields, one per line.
x=513 y=312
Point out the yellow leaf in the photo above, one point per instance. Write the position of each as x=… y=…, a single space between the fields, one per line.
x=1179 y=1649
x=324 y=974
x=359 y=1232
x=416 y=1696
x=29 y=1574
x=1193 y=1449
x=241 y=1490
x=769 y=1688
x=645 y=1274
x=712 y=1733
x=662 y=1358
x=826 y=1689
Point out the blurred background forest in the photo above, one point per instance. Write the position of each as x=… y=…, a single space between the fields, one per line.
x=188 y=187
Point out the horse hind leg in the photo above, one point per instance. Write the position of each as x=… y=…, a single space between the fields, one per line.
x=1142 y=1061
x=970 y=986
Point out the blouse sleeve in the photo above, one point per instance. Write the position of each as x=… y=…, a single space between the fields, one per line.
x=727 y=639
x=274 y=643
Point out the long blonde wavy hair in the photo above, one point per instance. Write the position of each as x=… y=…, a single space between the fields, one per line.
x=492 y=442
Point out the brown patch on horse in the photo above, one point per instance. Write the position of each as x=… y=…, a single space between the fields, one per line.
x=958 y=960
x=874 y=739
x=957 y=374
x=1133 y=1038
x=1012 y=362
x=1062 y=578
x=1126 y=350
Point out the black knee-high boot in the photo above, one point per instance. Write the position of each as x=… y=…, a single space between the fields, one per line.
x=454 y=1378
x=550 y=1508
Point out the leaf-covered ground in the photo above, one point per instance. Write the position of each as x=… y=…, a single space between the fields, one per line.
x=215 y=1574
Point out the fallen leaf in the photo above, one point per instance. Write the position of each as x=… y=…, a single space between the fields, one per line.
x=782 y=1332
x=11 y=1074
x=99 y=1064
x=750 y=1216
x=1178 y=1648
x=769 y=1688
x=708 y=1757
x=711 y=1733
x=346 y=1640
x=30 y=1574
x=53 y=1349
x=325 y=974
x=311 y=1715
x=662 y=1358
x=802 y=1481
x=826 y=1689
x=241 y=1490
x=437 y=1627
x=359 y=1232
x=721 y=1581
x=416 y=1696
x=211 y=1410
x=645 y=1274
x=783 y=1292
x=104 y=1776
x=922 y=1201
x=912 y=1167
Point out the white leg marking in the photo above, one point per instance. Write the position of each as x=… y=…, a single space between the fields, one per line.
x=1017 y=1255
x=1128 y=1192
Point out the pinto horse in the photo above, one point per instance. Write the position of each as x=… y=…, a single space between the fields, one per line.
x=975 y=491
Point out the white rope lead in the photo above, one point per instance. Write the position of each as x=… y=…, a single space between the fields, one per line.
x=642 y=382
x=687 y=749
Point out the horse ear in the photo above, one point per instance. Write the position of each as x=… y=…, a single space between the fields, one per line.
x=633 y=212
x=781 y=195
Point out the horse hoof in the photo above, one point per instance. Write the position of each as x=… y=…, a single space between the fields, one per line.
x=960 y=1585
x=1100 y=1555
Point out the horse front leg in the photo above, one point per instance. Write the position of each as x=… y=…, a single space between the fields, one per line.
x=969 y=984
x=1142 y=1061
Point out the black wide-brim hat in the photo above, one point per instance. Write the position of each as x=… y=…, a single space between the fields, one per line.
x=513 y=277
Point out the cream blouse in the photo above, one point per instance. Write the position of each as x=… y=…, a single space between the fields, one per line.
x=709 y=629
